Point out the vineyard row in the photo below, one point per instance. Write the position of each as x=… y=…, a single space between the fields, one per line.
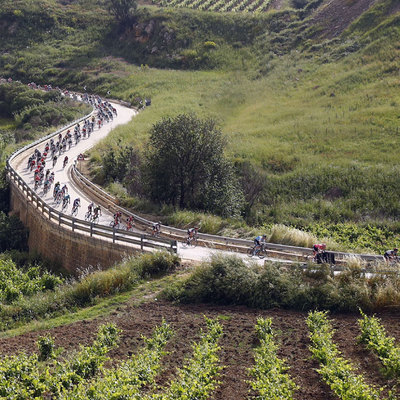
x=219 y=5
x=83 y=376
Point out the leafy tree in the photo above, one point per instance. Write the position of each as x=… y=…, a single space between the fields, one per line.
x=122 y=9
x=186 y=166
x=13 y=234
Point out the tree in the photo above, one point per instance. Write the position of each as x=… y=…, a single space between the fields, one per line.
x=186 y=166
x=122 y=9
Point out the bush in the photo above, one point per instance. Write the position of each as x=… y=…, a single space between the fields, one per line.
x=157 y=264
x=229 y=280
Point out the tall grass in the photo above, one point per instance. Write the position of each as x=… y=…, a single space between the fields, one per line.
x=88 y=289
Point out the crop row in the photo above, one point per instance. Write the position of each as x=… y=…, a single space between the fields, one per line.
x=374 y=336
x=270 y=378
x=82 y=376
x=126 y=380
x=197 y=378
x=336 y=371
x=220 y=5
x=26 y=377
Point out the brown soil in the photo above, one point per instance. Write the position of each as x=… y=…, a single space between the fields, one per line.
x=334 y=16
x=236 y=344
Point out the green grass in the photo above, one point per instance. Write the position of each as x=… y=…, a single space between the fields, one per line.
x=288 y=116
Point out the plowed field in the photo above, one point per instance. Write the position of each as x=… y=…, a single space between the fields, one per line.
x=236 y=345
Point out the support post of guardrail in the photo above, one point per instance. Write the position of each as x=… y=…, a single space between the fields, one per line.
x=49 y=213
x=91 y=229
x=174 y=246
x=114 y=235
x=141 y=241
x=59 y=219
x=73 y=224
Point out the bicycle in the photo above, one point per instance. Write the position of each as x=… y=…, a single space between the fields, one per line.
x=129 y=227
x=88 y=216
x=257 y=250
x=74 y=211
x=96 y=218
x=59 y=198
x=190 y=242
x=64 y=206
x=114 y=224
x=46 y=188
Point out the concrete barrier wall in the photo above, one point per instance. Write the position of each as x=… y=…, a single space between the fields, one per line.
x=71 y=250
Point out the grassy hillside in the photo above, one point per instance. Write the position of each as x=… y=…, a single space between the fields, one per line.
x=316 y=117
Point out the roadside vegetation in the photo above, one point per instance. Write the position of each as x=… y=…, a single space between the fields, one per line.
x=230 y=281
x=54 y=298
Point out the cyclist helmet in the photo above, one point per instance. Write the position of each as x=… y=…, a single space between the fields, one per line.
x=323 y=246
x=264 y=236
x=396 y=249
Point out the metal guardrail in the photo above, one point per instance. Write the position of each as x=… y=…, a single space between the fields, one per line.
x=77 y=225
x=239 y=244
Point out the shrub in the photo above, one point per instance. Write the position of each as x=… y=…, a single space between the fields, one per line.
x=45 y=345
x=229 y=280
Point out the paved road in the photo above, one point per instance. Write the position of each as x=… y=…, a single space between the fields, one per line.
x=62 y=174
x=124 y=116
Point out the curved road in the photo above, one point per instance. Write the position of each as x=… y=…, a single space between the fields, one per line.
x=124 y=115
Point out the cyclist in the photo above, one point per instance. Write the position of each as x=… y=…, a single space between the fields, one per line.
x=76 y=204
x=321 y=255
x=156 y=228
x=117 y=218
x=192 y=233
x=390 y=255
x=54 y=160
x=56 y=189
x=96 y=212
x=46 y=186
x=66 y=200
x=129 y=223
x=259 y=241
x=90 y=208
x=65 y=161
x=64 y=189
